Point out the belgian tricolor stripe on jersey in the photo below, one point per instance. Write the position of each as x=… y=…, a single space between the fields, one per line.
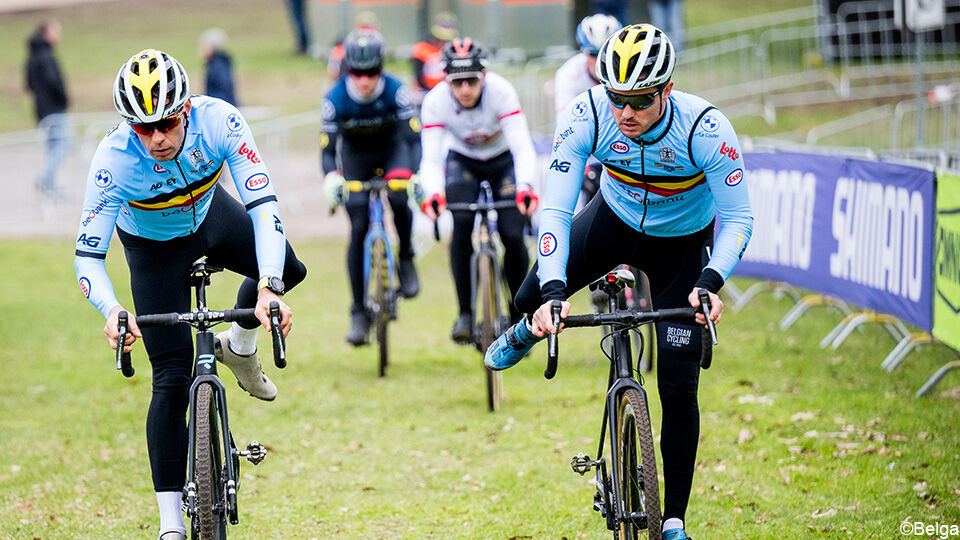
x=179 y=197
x=665 y=186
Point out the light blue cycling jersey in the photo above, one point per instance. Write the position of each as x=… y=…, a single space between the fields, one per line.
x=160 y=200
x=672 y=181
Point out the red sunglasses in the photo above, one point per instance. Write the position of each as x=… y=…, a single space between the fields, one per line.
x=163 y=125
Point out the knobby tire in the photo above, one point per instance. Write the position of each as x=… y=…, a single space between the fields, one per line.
x=636 y=453
x=382 y=310
x=212 y=523
x=489 y=316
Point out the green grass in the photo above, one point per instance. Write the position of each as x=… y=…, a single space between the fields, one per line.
x=417 y=456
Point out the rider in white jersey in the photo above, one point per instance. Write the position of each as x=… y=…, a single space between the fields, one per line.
x=671 y=164
x=154 y=178
x=489 y=141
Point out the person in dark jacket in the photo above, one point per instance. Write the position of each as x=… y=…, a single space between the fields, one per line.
x=45 y=82
x=213 y=44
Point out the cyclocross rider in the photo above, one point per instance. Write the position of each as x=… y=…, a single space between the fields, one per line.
x=578 y=74
x=489 y=141
x=368 y=118
x=155 y=177
x=671 y=164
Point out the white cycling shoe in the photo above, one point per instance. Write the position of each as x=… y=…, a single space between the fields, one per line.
x=173 y=535
x=246 y=369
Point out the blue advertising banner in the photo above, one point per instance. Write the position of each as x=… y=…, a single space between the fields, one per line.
x=858 y=230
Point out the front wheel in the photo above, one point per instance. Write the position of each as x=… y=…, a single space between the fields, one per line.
x=210 y=520
x=381 y=301
x=489 y=316
x=636 y=474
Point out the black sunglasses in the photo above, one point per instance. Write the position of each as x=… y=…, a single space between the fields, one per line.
x=637 y=103
x=369 y=72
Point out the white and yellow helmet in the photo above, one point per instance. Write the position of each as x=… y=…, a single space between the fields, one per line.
x=637 y=56
x=150 y=86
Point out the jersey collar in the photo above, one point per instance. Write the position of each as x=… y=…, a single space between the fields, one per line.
x=355 y=94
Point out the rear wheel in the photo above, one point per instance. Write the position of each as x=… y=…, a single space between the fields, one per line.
x=381 y=308
x=211 y=519
x=636 y=474
x=489 y=316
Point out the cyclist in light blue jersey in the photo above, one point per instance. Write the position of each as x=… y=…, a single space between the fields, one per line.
x=154 y=177
x=671 y=164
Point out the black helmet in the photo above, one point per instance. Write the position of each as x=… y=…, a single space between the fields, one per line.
x=363 y=49
x=464 y=56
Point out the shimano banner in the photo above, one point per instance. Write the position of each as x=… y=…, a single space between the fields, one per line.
x=861 y=231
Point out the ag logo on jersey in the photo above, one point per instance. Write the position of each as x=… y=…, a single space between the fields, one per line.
x=257 y=182
x=580 y=109
x=548 y=244
x=620 y=147
x=103 y=178
x=710 y=123
x=734 y=178
x=234 y=123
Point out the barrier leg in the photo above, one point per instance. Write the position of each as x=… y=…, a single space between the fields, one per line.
x=937 y=377
x=733 y=292
x=856 y=321
x=751 y=291
x=905 y=347
x=809 y=301
x=836 y=330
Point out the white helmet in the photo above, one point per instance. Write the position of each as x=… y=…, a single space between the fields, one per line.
x=594 y=30
x=150 y=86
x=638 y=56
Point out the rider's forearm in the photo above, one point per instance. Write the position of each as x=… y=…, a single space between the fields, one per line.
x=95 y=283
x=431 y=160
x=271 y=243
x=517 y=134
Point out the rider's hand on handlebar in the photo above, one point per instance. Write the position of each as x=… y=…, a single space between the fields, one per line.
x=433 y=205
x=716 y=307
x=264 y=297
x=111 y=332
x=523 y=196
x=543 y=319
x=333 y=187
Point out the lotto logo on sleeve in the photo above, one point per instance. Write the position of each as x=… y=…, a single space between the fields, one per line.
x=548 y=244
x=103 y=178
x=85 y=286
x=734 y=178
x=257 y=182
x=248 y=153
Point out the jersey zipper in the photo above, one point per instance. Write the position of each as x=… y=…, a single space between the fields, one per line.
x=193 y=202
x=646 y=185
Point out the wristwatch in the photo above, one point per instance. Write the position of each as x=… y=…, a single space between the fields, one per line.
x=274 y=284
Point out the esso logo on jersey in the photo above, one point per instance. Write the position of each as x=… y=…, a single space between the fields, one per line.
x=734 y=178
x=85 y=286
x=548 y=244
x=257 y=181
x=620 y=147
x=103 y=178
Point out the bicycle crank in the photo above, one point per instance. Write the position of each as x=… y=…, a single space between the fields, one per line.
x=255 y=452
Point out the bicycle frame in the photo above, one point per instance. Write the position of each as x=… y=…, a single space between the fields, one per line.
x=485 y=248
x=377 y=230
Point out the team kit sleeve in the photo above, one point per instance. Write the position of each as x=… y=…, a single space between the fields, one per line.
x=329 y=131
x=513 y=123
x=572 y=144
x=721 y=161
x=407 y=131
x=256 y=191
x=431 y=144
x=101 y=206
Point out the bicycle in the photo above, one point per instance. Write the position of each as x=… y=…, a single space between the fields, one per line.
x=629 y=499
x=636 y=298
x=487 y=285
x=381 y=301
x=210 y=488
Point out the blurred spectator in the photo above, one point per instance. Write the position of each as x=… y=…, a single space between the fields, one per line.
x=297 y=15
x=365 y=20
x=426 y=55
x=213 y=44
x=667 y=15
x=45 y=82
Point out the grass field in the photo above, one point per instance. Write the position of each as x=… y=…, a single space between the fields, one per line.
x=797 y=442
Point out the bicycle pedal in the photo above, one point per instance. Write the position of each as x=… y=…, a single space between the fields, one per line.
x=581 y=463
x=255 y=452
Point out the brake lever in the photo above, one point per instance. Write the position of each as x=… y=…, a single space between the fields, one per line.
x=279 y=343
x=553 y=344
x=436 y=219
x=123 y=358
x=705 y=306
